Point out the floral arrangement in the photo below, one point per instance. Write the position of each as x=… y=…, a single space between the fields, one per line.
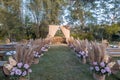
x=71 y=46
x=36 y=54
x=20 y=70
x=101 y=68
x=18 y=66
x=44 y=49
x=83 y=54
x=47 y=46
x=9 y=53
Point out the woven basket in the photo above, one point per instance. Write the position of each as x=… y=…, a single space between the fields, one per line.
x=98 y=77
x=36 y=60
x=23 y=78
x=83 y=60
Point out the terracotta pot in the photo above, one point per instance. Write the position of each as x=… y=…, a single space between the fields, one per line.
x=36 y=60
x=83 y=60
x=6 y=71
x=23 y=78
x=98 y=77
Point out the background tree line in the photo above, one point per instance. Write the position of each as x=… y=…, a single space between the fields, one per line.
x=92 y=19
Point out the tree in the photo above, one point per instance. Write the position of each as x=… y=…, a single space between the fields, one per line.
x=44 y=10
x=110 y=30
x=10 y=17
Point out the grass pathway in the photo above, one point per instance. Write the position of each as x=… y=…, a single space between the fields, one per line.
x=60 y=63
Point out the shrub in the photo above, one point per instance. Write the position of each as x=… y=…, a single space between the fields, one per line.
x=88 y=36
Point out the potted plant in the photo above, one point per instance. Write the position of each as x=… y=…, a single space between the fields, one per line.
x=20 y=71
x=83 y=55
x=36 y=57
x=100 y=70
x=100 y=62
x=18 y=65
x=83 y=52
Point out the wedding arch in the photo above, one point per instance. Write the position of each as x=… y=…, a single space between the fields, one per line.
x=54 y=28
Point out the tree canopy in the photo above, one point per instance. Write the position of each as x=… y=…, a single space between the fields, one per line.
x=30 y=18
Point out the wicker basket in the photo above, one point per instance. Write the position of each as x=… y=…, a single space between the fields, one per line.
x=23 y=78
x=98 y=77
x=36 y=60
x=83 y=60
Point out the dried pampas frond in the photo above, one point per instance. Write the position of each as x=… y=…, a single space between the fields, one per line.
x=77 y=45
x=91 y=55
x=37 y=41
x=102 y=52
x=25 y=53
x=96 y=52
x=30 y=56
x=19 y=52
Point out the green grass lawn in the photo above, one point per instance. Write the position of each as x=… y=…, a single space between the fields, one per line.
x=61 y=63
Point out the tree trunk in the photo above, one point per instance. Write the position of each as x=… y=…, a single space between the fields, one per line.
x=37 y=31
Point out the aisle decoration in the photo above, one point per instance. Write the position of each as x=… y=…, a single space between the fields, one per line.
x=70 y=42
x=20 y=71
x=100 y=61
x=36 y=57
x=83 y=56
x=83 y=52
x=100 y=70
x=44 y=49
x=18 y=65
x=41 y=46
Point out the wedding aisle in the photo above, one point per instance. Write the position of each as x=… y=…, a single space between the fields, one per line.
x=60 y=63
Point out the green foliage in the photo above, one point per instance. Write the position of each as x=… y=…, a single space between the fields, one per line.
x=88 y=36
x=44 y=10
x=59 y=33
x=110 y=30
x=10 y=18
x=43 y=29
x=113 y=29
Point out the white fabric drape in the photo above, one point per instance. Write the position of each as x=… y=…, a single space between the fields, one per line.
x=52 y=30
x=66 y=32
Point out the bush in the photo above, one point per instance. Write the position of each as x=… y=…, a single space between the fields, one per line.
x=88 y=36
